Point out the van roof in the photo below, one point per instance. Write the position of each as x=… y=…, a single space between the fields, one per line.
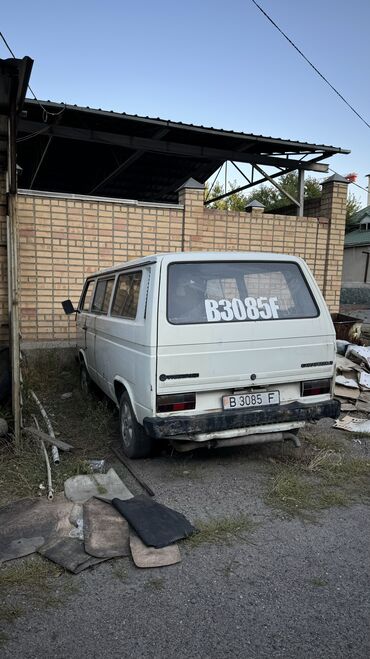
x=197 y=256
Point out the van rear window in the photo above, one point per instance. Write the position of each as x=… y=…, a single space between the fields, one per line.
x=218 y=292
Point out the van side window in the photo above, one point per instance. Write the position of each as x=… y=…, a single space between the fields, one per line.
x=87 y=295
x=103 y=292
x=126 y=297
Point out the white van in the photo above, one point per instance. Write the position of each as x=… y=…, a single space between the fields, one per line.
x=215 y=349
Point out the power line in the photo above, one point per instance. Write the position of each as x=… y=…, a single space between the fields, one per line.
x=7 y=45
x=353 y=182
x=31 y=135
x=46 y=112
x=310 y=63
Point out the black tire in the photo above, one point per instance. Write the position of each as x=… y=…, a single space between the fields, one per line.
x=86 y=383
x=135 y=442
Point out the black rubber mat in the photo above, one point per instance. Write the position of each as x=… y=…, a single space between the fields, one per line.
x=27 y=524
x=157 y=525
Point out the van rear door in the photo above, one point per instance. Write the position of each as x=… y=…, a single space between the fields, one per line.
x=235 y=323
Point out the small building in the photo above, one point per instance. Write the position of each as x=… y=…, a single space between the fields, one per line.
x=356 y=260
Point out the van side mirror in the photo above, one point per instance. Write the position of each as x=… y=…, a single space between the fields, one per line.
x=68 y=307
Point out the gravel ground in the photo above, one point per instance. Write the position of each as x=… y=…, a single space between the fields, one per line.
x=289 y=588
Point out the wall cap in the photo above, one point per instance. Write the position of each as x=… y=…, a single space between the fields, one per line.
x=336 y=178
x=192 y=184
x=100 y=200
x=254 y=204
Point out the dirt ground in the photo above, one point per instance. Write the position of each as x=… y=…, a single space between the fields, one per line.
x=279 y=568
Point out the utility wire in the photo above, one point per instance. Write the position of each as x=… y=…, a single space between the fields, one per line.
x=46 y=112
x=7 y=45
x=31 y=135
x=310 y=63
x=352 y=182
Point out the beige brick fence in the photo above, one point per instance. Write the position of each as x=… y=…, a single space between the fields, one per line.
x=62 y=239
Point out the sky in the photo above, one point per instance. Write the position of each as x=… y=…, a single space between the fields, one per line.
x=218 y=63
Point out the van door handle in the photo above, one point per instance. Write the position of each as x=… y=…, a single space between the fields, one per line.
x=84 y=327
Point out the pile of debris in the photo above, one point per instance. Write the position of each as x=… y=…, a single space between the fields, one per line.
x=96 y=519
x=352 y=385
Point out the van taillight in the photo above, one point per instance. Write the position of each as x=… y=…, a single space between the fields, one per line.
x=315 y=387
x=175 y=403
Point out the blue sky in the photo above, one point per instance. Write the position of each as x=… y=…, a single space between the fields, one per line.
x=214 y=63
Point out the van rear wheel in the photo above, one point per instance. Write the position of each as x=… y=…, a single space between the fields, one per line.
x=135 y=442
x=86 y=382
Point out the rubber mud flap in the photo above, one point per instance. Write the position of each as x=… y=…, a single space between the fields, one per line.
x=149 y=557
x=68 y=553
x=157 y=525
x=26 y=524
x=106 y=532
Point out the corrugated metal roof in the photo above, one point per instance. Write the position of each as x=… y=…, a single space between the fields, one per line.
x=170 y=123
x=360 y=215
x=357 y=238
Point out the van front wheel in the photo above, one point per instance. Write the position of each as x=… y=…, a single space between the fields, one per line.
x=86 y=382
x=135 y=442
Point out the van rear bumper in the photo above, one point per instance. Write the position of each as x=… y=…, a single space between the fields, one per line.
x=170 y=426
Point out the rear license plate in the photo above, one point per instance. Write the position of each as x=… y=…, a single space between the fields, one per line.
x=251 y=400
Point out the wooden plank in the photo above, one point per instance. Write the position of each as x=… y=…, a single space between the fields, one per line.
x=344 y=364
x=361 y=406
x=38 y=434
x=347 y=407
x=346 y=392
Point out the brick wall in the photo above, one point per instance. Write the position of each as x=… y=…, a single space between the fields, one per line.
x=312 y=208
x=260 y=232
x=333 y=205
x=62 y=240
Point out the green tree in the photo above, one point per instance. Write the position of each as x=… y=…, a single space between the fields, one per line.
x=265 y=194
x=273 y=199
x=235 y=202
x=353 y=205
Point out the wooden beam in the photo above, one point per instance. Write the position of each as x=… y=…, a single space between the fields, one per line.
x=38 y=434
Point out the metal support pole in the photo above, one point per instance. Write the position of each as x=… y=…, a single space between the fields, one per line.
x=12 y=230
x=14 y=316
x=276 y=185
x=366 y=266
x=40 y=162
x=300 y=192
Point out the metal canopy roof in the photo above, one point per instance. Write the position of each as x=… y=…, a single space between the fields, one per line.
x=14 y=72
x=14 y=76
x=95 y=152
